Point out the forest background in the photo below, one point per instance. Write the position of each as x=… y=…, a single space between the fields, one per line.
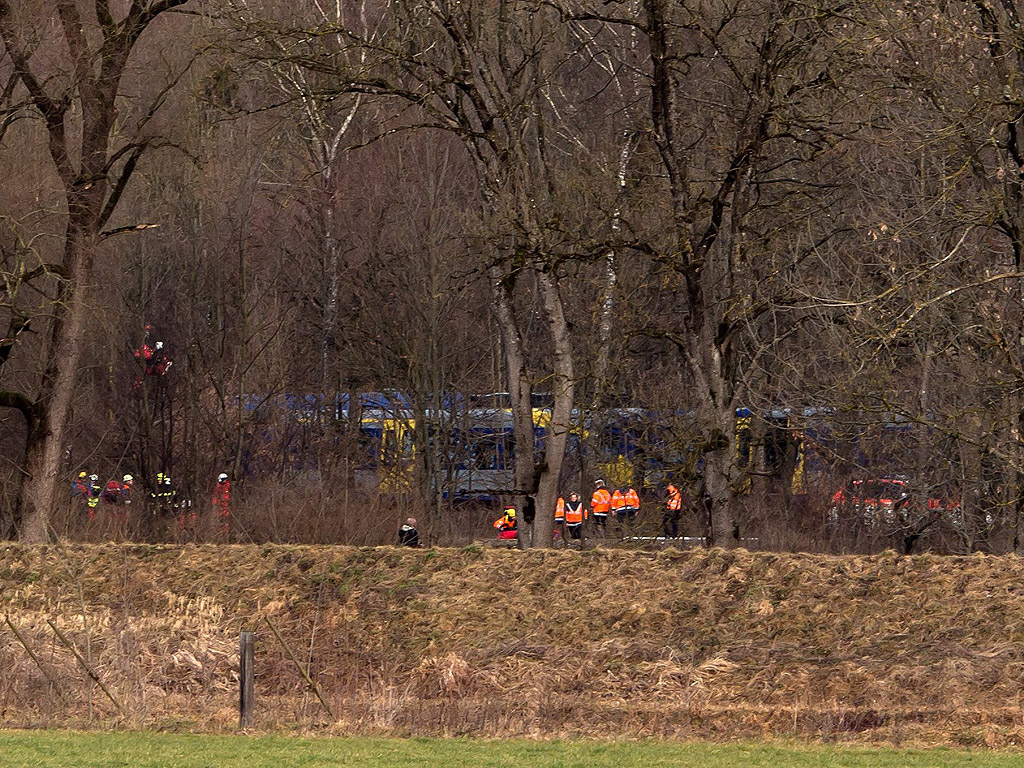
x=811 y=209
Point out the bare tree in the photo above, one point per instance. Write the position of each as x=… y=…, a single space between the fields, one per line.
x=948 y=225
x=487 y=77
x=738 y=112
x=325 y=128
x=79 y=109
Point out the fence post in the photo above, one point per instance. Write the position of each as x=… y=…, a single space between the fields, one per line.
x=245 y=679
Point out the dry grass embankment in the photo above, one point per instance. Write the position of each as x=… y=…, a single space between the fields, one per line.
x=693 y=644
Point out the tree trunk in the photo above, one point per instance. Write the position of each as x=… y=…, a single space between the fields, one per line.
x=561 y=413
x=43 y=459
x=518 y=384
x=716 y=410
x=724 y=530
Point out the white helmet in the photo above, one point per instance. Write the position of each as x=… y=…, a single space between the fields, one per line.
x=127 y=479
x=221 y=477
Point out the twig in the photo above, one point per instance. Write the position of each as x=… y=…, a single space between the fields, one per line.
x=85 y=665
x=77 y=578
x=38 y=663
x=316 y=618
x=303 y=672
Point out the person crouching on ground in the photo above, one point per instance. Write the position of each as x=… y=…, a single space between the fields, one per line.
x=506 y=524
x=408 y=536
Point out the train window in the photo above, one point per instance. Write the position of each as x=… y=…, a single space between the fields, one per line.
x=743 y=440
x=368 y=449
x=542 y=400
x=492 y=453
x=491 y=400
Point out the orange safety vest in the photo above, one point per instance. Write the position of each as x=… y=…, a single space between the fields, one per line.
x=618 y=501
x=631 y=500
x=505 y=523
x=560 y=510
x=574 y=512
x=601 y=501
x=675 y=499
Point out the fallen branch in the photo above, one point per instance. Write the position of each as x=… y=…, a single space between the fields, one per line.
x=85 y=665
x=303 y=672
x=32 y=655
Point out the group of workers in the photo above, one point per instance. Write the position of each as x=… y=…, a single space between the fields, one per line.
x=118 y=496
x=88 y=488
x=622 y=504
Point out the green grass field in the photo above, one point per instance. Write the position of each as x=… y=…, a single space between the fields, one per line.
x=35 y=749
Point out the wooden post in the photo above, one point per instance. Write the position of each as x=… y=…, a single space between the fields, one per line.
x=245 y=679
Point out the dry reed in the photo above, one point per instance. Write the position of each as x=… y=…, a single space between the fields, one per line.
x=696 y=644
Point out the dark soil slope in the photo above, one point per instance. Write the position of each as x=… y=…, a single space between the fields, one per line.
x=696 y=644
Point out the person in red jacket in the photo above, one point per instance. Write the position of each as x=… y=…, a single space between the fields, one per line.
x=118 y=496
x=600 y=506
x=222 y=506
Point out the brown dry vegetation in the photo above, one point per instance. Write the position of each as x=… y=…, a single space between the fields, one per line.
x=680 y=644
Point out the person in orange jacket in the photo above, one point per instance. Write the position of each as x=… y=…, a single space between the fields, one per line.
x=600 y=506
x=560 y=517
x=506 y=524
x=575 y=514
x=631 y=503
x=673 y=508
x=617 y=508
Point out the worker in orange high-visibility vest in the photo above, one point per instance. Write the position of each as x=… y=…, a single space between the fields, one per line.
x=617 y=506
x=673 y=508
x=560 y=517
x=631 y=504
x=507 y=522
x=600 y=506
x=575 y=514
